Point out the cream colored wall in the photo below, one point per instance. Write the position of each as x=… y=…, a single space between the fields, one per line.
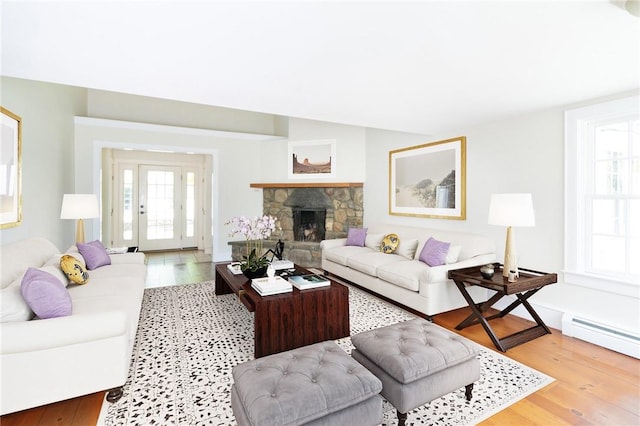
x=142 y=109
x=47 y=112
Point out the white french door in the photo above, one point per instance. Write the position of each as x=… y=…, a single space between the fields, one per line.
x=156 y=206
x=159 y=201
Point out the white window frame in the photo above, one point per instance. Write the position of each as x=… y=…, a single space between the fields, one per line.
x=576 y=239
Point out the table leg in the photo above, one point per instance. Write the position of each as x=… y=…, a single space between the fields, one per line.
x=532 y=312
x=221 y=286
x=477 y=313
x=522 y=297
x=482 y=307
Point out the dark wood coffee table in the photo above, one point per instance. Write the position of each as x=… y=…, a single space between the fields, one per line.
x=289 y=320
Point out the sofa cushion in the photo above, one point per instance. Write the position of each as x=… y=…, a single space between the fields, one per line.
x=368 y=263
x=13 y=307
x=74 y=269
x=434 y=252
x=342 y=254
x=45 y=294
x=95 y=255
x=123 y=272
x=356 y=237
x=390 y=243
x=18 y=256
x=405 y=273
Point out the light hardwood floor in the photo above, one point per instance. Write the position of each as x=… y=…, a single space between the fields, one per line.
x=594 y=386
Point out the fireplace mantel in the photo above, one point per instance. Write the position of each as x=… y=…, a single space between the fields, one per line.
x=308 y=185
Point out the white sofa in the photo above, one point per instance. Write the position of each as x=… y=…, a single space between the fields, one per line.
x=400 y=276
x=49 y=360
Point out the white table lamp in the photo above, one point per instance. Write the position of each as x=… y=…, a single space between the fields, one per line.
x=79 y=206
x=511 y=210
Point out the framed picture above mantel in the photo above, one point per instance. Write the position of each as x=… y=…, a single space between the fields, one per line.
x=429 y=180
x=312 y=159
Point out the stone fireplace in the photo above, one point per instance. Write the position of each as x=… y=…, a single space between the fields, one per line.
x=308 y=214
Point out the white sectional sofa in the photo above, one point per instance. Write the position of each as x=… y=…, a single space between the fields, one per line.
x=400 y=276
x=49 y=360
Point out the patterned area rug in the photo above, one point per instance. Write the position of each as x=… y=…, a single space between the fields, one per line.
x=189 y=339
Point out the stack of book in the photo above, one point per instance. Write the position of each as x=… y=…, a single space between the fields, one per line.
x=282 y=264
x=304 y=282
x=268 y=286
x=234 y=268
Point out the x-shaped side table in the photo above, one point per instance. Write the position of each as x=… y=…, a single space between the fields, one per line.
x=528 y=284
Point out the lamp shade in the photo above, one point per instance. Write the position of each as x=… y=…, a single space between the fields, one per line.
x=511 y=210
x=79 y=206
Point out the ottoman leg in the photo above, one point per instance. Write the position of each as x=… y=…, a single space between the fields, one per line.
x=402 y=418
x=467 y=391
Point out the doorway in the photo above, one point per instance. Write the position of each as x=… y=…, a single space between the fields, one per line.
x=156 y=200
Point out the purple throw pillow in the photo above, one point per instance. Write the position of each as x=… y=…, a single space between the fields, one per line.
x=356 y=237
x=45 y=294
x=95 y=255
x=434 y=252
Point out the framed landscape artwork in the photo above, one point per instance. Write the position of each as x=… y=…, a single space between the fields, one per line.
x=429 y=180
x=10 y=169
x=312 y=159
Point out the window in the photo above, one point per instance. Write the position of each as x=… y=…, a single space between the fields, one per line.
x=127 y=205
x=602 y=196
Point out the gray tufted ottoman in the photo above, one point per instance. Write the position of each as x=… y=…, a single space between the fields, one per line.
x=317 y=384
x=417 y=362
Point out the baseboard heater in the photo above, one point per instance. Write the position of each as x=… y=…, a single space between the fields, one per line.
x=601 y=334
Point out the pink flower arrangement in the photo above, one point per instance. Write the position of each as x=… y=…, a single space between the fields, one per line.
x=254 y=231
x=259 y=228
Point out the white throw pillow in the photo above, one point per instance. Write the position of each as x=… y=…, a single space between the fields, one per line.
x=407 y=248
x=373 y=241
x=13 y=307
x=57 y=272
x=453 y=254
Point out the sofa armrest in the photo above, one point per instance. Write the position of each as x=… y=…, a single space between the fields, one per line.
x=121 y=258
x=440 y=273
x=35 y=335
x=329 y=244
x=479 y=260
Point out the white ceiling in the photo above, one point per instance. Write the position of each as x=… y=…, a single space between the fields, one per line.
x=424 y=67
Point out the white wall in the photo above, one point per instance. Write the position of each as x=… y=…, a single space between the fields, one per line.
x=47 y=112
x=522 y=154
x=350 y=161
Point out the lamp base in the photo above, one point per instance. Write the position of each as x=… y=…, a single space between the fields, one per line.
x=80 y=232
x=510 y=255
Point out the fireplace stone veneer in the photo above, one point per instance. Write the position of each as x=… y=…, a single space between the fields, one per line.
x=343 y=205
